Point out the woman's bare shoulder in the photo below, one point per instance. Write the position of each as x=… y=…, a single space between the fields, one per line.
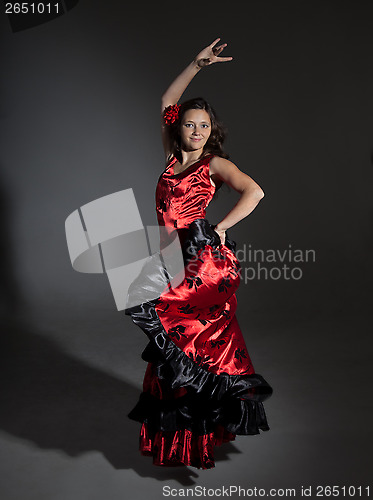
x=228 y=172
x=218 y=164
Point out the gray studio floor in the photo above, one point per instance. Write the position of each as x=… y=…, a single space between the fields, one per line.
x=72 y=375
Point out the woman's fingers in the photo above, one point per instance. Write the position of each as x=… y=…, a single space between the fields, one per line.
x=223 y=59
x=214 y=42
x=218 y=50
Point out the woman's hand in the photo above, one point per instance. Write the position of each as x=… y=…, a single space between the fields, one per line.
x=209 y=55
x=221 y=234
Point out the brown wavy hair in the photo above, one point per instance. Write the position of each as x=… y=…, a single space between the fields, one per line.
x=214 y=144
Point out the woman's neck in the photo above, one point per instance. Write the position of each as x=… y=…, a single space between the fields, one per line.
x=191 y=156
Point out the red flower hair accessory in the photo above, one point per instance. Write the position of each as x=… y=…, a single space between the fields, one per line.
x=171 y=113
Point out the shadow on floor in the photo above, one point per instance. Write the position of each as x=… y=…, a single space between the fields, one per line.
x=58 y=402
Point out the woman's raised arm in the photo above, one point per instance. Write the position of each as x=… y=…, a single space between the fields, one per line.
x=206 y=57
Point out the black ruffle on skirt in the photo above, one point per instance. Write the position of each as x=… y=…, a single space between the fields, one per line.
x=232 y=401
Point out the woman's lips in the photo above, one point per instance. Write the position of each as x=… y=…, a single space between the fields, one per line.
x=194 y=139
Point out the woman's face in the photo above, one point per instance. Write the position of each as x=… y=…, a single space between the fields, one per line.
x=195 y=129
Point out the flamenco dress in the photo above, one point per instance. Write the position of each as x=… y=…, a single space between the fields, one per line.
x=200 y=388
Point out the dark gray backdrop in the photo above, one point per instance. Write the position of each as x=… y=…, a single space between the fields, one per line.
x=79 y=120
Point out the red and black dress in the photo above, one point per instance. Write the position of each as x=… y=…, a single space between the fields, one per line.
x=200 y=388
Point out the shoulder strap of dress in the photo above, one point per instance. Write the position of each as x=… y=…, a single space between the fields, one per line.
x=208 y=157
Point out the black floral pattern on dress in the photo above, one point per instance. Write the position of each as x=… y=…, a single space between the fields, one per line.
x=177 y=332
x=239 y=354
x=204 y=321
x=214 y=312
x=188 y=309
x=193 y=281
x=217 y=343
x=202 y=361
x=248 y=371
x=224 y=284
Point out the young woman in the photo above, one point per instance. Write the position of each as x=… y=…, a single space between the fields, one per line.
x=200 y=388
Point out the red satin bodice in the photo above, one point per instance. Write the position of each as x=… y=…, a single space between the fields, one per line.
x=182 y=198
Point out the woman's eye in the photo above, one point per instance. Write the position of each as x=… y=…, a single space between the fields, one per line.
x=203 y=125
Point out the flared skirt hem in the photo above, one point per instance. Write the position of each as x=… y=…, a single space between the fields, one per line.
x=182 y=447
